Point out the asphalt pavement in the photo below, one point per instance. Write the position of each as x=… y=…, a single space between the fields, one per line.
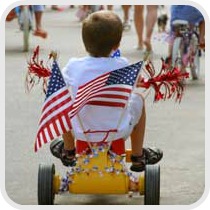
x=177 y=128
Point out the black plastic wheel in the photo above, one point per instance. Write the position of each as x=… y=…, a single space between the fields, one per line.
x=152 y=185
x=45 y=184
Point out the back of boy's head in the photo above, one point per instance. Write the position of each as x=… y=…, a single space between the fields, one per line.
x=101 y=32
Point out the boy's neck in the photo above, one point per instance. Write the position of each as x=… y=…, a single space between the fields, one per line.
x=100 y=56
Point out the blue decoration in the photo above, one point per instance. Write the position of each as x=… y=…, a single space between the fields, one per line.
x=116 y=54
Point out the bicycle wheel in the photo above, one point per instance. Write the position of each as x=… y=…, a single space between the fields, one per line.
x=177 y=53
x=26 y=13
x=194 y=57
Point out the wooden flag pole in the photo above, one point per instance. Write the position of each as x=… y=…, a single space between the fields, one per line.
x=54 y=55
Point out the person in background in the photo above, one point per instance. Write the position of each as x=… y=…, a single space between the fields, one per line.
x=126 y=16
x=148 y=24
x=57 y=8
x=38 y=13
x=84 y=10
x=194 y=17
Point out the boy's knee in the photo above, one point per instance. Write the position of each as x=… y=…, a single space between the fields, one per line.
x=137 y=106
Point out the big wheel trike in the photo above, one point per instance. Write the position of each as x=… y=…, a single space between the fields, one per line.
x=100 y=169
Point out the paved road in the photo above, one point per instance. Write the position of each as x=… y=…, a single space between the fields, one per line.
x=176 y=128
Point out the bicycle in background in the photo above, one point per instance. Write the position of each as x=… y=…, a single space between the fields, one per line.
x=25 y=21
x=25 y=14
x=185 y=51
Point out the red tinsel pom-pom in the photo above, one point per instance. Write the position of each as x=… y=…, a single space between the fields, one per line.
x=37 y=71
x=168 y=83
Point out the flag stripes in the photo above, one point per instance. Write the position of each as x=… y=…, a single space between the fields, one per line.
x=111 y=89
x=55 y=118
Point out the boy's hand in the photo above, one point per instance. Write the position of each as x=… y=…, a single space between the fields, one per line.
x=140 y=82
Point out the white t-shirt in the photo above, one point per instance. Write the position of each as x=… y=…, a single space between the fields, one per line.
x=79 y=71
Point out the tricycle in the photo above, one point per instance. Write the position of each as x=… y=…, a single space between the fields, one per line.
x=101 y=168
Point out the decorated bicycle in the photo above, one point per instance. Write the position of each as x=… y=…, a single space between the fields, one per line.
x=188 y=30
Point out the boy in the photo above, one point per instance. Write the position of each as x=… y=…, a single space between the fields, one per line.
x=101 y=33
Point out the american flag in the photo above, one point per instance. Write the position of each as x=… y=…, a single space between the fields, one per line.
x=111 y=89
x=55 y=118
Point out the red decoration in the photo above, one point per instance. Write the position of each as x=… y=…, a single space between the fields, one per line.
x=169 y=82
x=36 y=69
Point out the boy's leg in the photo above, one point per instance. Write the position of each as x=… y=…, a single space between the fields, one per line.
x=68 y=141
x=64 y=149
x=142 y=156
x=137 y=136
